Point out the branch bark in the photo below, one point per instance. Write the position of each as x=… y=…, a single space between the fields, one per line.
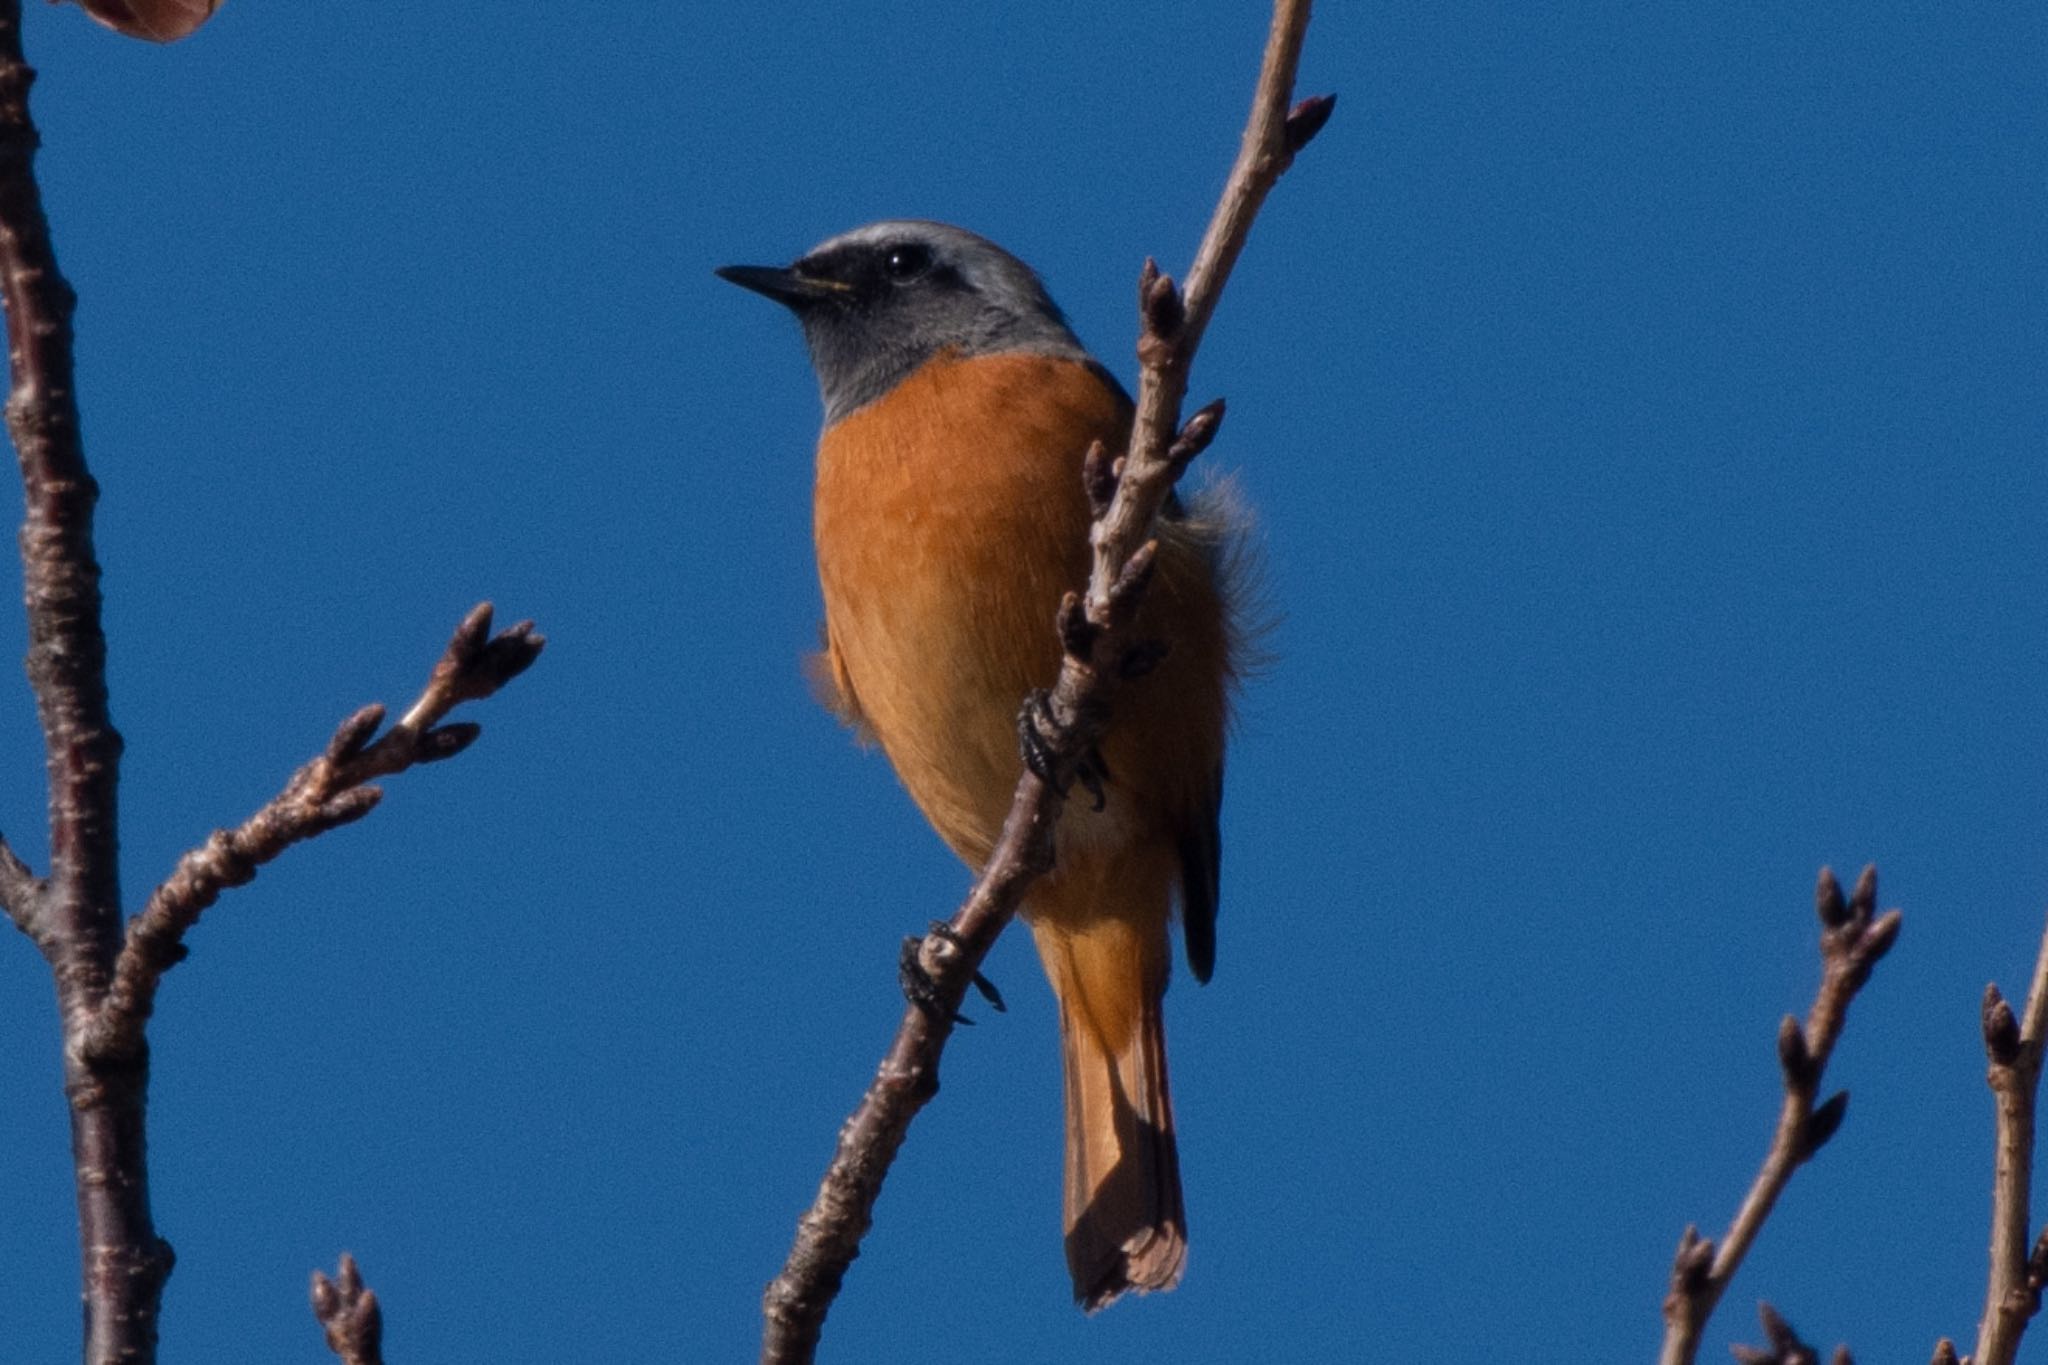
x=75 y=918
x=2014 y=1048
x=1853 y=938
x=1094 y=630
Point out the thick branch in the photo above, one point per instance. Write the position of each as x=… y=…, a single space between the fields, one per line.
x=1065 y=724
x=2013 y=1294
x=76 y=916
x=330 y=791
x=60 y=576
x=1853 y=938
x=349 y=1313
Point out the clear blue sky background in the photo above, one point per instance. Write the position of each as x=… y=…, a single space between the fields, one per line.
x=1646 y=406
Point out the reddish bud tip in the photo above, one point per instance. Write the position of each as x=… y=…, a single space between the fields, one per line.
x=1306 y=119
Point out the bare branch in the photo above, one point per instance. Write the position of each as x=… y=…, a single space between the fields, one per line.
x=2013 y=1294
x=1272 y=137
x=329 y=792
x=61 y=578
x=105 y=984
x=349 y=1312
x=1786 y=1348
x=1853 y=938
x=76 y=918
x=1059 y=728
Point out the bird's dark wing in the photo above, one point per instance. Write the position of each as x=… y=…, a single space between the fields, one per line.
x=1201 y=872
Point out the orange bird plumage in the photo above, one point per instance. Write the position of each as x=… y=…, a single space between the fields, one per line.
x=950 y=518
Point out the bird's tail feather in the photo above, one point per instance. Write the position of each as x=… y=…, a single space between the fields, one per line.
x=1126 y=1228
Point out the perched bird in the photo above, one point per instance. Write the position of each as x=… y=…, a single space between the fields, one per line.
x=950 y=517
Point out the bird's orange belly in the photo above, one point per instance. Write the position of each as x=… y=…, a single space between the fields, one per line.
x=942 y=559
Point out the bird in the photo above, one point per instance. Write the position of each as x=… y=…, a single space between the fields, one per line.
x=950 y=516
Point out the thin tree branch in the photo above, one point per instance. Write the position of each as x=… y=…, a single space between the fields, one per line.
x=330 y=791
x=1786 y=1348
x=1853 y=938
x=2014 y=1048
x=1272 y=136
x=21 y=895
x=1094 y=630
x=349 y=1313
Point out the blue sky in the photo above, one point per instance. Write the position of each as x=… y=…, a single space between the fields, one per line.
x=1645 y=406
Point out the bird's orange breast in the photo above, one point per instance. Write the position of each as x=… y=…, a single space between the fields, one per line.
x=950 y=518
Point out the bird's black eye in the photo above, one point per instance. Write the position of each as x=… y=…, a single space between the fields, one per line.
x=906 y=262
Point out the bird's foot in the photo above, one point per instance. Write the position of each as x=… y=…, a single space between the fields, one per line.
x=1036 y=728
x=919 y=988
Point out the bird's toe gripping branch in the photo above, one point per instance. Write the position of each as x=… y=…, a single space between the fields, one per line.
x=921 y=988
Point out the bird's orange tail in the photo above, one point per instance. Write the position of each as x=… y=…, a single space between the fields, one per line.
x=1126 y=1228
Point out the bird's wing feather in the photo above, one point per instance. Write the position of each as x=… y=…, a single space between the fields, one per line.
x=1201 y=874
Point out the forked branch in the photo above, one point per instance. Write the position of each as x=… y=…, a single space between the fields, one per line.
x=330 y=791
x=1853 y=937
x=107 y=978
x=1066 y=723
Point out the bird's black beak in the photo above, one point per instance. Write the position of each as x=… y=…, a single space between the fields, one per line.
x=784 y=285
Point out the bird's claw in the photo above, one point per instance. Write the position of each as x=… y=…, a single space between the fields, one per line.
x=1036 y=727
x=919 y=988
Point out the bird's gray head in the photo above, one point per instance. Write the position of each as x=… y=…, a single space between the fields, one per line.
x=879 y=301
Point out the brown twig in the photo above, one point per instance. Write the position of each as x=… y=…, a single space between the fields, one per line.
x=1853 y=938
x=1094 y=633
x=1786 y=1348
x=330 y=791
x=2013 y=1295
x=349 y=1312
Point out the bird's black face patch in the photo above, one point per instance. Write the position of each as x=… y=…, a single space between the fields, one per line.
x=872 y=274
